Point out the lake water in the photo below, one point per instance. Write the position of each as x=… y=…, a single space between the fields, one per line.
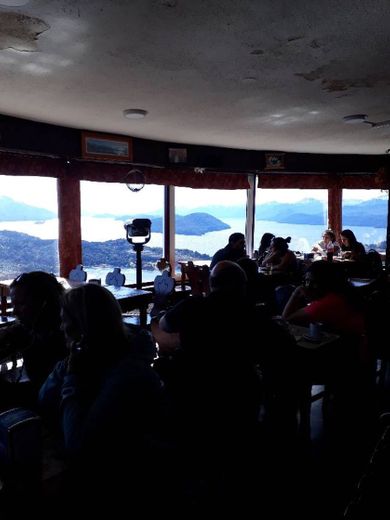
x=102 y=229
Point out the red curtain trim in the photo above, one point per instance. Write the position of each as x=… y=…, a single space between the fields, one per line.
x=324 y=180
x=41 y=166
x=164 y=176
x=31 y=165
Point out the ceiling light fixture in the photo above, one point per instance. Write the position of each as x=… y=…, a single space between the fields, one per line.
x=362 y=118
x=135 y=113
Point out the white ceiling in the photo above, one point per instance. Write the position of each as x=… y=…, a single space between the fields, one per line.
x=254 y=74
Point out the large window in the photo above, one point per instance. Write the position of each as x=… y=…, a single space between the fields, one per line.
x=205 y=219
x=300 y=214
x=105 y=207
x=365 y=213
x=28 y=225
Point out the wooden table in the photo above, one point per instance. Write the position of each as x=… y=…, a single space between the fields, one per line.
x=301 y=335
x=127 y=297
x=310 y=348
x=130 y=299
x=361 y=282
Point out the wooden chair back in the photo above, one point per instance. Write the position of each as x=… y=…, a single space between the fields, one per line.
x=115 y=277
x=197 y=276
x=164 y=286
x=78 y=274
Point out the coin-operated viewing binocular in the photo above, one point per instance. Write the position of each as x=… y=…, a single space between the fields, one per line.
x=138 y=231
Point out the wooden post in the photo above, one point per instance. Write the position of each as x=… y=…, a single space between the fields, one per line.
x=69 y=224
x=335 y=197
x=250 y=215
x=387 y=260
x=169 y=227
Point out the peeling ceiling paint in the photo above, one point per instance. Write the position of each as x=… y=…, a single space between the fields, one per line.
x=20 y=32
x=269 y=75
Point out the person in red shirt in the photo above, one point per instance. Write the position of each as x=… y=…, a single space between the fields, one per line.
x=327 y=297
x=347 y=366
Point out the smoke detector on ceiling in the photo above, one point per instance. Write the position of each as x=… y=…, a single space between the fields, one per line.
x=362 y=118
x=135 y=113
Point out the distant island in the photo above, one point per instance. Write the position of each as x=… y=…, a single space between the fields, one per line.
x=197 y=224
x=192 y=224
x=20 y=252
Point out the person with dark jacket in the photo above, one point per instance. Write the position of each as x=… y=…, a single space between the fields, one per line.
x=265 y=243
x=36 y=337
x=106 y=399
x=234 y=250
x=352 y=249
x=213 y=381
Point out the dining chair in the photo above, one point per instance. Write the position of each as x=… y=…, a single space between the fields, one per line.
x=197 y=276
x=20 y=454
x=339 y=376
x=377 y=305
x=164 y=287
x=78 y=274
x=115 y=277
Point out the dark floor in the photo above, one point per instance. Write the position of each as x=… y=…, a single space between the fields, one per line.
x=316 y=477
x=305 y=477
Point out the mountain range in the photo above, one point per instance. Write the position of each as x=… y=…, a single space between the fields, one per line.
x=370 y=213
x=204 y=219
x=12 y=210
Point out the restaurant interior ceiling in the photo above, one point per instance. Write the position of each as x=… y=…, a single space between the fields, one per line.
x=246 y=74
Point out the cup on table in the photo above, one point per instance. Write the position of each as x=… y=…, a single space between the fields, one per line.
x=266 y=269
x=314 y=331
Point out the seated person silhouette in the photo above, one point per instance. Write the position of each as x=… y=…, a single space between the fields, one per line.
x=213 y=380
x=327 y=244
x=352 y=249
x=36 y=336
x=106 y=398
x=264 y=246
x=355 y=252
x=234 y=250
x=282 y=262
x=328 y=298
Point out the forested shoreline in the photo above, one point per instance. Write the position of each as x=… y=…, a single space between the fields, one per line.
x=21 y=252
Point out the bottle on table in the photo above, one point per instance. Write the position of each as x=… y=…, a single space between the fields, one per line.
x=330 y=251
